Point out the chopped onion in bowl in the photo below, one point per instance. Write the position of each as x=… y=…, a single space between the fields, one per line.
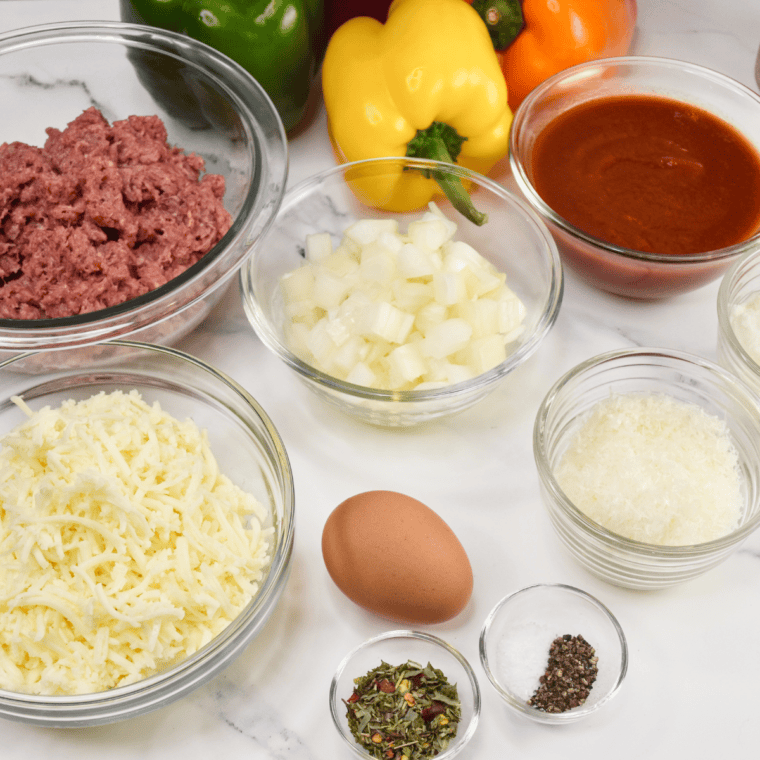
x=399 y=311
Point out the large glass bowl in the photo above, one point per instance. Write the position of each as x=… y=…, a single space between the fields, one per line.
x=739 y=289
x=625 y=271
x=687 y=378
x=50 y=74
x=514 y=239
x=250 y=452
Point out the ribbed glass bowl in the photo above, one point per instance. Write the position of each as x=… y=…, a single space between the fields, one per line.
x=250 y=452
x=624 y=271
x=518 y=632
x=740 y=284
x=684 y=377
x=514 y=239
x=211 y=106
x=395 y=648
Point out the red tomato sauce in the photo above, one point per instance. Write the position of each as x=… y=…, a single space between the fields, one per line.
x=649 y=174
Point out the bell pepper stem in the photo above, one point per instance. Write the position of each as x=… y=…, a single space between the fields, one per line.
x=453 y=189
x=441 y=142
x=504 y=20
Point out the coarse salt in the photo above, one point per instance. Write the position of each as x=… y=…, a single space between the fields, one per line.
x=521 y=657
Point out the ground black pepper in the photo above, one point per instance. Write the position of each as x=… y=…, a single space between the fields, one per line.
x=569 y=676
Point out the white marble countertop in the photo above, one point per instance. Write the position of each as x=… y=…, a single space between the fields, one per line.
x=691 y=689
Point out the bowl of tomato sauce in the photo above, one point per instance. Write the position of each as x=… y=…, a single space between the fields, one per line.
x=645 y=169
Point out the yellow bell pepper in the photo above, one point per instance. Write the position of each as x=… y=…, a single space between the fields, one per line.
x=427 y=84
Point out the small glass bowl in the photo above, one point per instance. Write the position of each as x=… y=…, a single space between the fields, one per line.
x=740 y=284
x=518 y=632
x=395 y=648
x=625 y=271
x=250 y=452
x=210 y=106
x=687 y=378
x=514 y=239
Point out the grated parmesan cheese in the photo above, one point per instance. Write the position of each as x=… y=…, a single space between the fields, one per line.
x=123 y=547
x=745 y=321
x=654 y=469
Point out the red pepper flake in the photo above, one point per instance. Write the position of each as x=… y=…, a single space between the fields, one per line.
x=428 y=713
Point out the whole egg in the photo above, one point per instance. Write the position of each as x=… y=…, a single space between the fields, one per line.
x=394 y=556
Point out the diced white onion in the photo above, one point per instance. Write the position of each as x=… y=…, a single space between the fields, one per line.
x=366 y=231
x=406 y=364
x=430 y=232
x=361 y=374
x=318 y=247
x=447 y=338
x=385 y=321
x=449 y=288
x=400 y=311
x=413 y=261
x=377 y=264
x=329 y=288
x=298 y=285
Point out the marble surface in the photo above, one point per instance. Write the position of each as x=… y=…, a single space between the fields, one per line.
x=691 y=689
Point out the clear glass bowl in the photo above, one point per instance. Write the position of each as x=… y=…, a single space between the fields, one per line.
x=50 y=74
x=518 y=632
x=687 y=378
x=251 y=453
x=624 y=271
x=395 y=648
x=740 y=284
x=514 y=239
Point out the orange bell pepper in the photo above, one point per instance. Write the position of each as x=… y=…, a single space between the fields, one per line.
x=535 y=39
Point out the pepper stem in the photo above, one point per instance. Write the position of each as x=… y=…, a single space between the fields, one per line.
x=440 y=142
x=504 y=20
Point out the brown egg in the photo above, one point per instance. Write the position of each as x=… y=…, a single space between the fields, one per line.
x=394 y=556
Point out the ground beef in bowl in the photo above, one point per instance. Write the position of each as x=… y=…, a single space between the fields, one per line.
x=101 y=214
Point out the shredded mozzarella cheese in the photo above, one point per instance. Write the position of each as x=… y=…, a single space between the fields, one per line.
x=124 y=549
x=654 y=469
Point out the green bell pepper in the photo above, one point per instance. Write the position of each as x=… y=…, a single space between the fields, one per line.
x=279 y=42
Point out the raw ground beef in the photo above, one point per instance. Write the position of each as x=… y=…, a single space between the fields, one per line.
x=100 y=215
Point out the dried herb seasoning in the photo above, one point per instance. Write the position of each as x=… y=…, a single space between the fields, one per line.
x=403 y=712
x=570 y=674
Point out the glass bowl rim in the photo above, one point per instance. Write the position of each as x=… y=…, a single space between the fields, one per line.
x=547 y=318
x=238 y=86
x=740 y=267
x=460 y=740
x=582 y=710
x=526 y=186
x=609 y=539
x=277 y=571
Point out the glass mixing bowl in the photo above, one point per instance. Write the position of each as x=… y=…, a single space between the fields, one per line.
x=514 y=240
x=739 y=289
x=686 y=378
x=50 y=74
x=624 y=271
x=250 y=452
